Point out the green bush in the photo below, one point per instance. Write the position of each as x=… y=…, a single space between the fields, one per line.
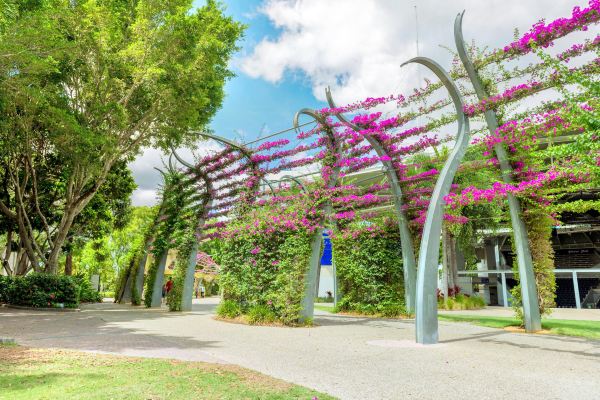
x=369 y=268
x=229 y=309
x=87 y=294
x=461 y=302
x=391 y=309
x=5 y=283
x=43 y=290
x=266 y=264
x=259 y=314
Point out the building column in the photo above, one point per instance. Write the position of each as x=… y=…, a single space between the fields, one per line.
x=576 y=290
x=504 y=289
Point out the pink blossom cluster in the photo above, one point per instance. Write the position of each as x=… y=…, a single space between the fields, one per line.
x=366 y=104
x=473 y=195
x=543 y=34
x=367 y=199
x=270 y=145
x=361 y=162
x=511 y=94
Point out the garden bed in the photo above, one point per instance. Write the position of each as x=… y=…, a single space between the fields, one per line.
x=245 y=320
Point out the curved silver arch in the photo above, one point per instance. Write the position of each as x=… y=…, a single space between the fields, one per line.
x=296 y=180
x=409 y=263
x=426 y=301
x=310 y=284
x=181 y=160
x=188 y=282
x=531 y=312
x=242 y=149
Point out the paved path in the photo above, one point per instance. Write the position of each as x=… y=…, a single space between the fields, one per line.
x=348 y=357
x=557 y=313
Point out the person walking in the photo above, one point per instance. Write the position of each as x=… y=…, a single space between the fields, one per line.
x=168 y=286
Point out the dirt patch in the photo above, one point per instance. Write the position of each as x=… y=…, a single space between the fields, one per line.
x=378 y=316
x=518 y=329
x=243 y=320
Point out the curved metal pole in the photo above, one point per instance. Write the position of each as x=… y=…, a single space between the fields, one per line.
x=310 y=284
x=531 y=311
x=409 y=263
x=242 y=149
x=296 y=180
x=429 y=252
x=188 y=283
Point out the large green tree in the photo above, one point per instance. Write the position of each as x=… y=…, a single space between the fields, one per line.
x=86 y=84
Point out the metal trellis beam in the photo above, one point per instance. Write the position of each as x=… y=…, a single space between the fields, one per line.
x=531 y=312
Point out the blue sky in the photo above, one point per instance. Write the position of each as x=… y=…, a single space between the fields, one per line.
x=253 y=105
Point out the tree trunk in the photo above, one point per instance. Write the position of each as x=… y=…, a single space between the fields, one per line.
x=453 y=262
x=22 y=263
x=7 y=253
x=69 y=261
x=60 y=238
x=445 y=262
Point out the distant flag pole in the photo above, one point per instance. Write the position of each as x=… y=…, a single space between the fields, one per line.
x=419 y=77
x=417 y=28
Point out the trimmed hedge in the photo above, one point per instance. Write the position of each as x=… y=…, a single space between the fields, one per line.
x=40 y=290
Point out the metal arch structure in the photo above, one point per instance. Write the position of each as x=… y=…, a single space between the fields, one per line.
x=126 y=294
x=426 y=322
x=310 y=283
x=242 y=149
x=186 y=302
x=531 y=312
x=296 y=181
x=188 y=283
x=160 y=272
x=409 y=263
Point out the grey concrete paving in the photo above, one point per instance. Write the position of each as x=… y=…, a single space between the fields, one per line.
x=557 y=313
x=348 y=357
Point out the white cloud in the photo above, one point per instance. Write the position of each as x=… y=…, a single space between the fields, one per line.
x=148 y=178
x=357 y=46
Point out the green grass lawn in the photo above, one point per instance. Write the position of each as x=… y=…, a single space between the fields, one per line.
x=60 y=374
x=586 y=329
x=567 y=327
x=324 y=308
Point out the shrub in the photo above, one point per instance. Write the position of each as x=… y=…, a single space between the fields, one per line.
x=5 y=282
x=43 y=290
x=461 y=302
x=266 y=264
x=391 y=309
x=229 y=309
x=369 y=268
x=87 y=294
x=261 y=314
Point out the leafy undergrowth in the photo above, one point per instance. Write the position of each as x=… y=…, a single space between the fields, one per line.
x=247 y=320
x=332 y=309
x=567 y=327
x=461 y=302
x=27 y=373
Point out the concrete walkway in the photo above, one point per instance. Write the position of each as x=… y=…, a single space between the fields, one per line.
x=348 y=357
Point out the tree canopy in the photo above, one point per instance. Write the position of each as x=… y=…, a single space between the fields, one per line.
x=85 y=85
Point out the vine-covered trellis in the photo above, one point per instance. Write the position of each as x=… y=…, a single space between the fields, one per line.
x=538 y=148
